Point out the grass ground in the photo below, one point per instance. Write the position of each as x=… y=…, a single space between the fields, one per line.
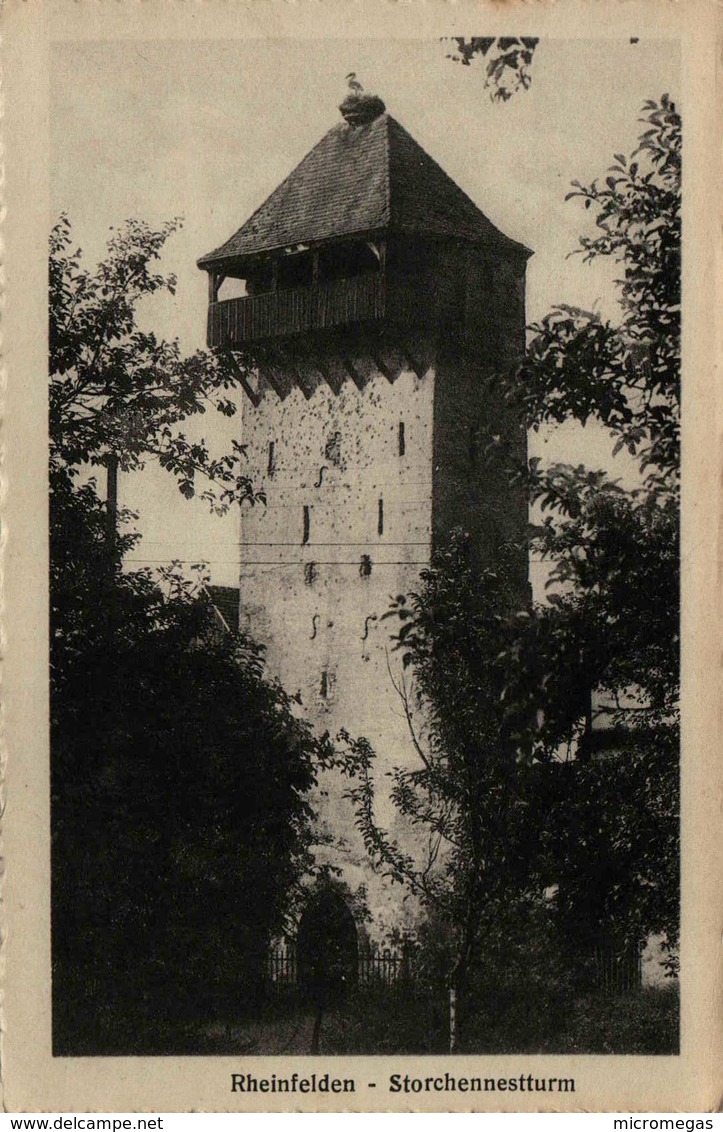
x=644 y=1022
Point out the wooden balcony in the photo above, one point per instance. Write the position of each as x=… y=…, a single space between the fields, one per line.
x=322 y=306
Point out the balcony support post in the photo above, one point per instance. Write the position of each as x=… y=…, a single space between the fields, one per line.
x=303 y=378
x=271 y=369
x=215 y=279
x=294 y=368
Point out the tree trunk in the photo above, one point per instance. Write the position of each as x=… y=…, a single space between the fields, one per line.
x=111 y=502
x=456 y=983
x=453 y=1030
x=458 y=974
x=316 y=1031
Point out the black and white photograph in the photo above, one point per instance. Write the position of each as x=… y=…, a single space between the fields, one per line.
x=363 y=528
x=364 y=435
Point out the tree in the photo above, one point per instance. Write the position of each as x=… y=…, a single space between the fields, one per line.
x=507 y=61
x=180 y=776
x=118 y=393
x=509 y=786
x=614 y=588
x=472 y=792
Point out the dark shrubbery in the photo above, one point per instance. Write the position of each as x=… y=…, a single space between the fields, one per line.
x=514 y=1018
x=179 y=775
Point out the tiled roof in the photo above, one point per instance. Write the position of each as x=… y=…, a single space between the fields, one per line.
x=425 y=199
x=361 y=179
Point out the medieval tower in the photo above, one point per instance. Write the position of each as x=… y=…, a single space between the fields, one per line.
x=373 y=298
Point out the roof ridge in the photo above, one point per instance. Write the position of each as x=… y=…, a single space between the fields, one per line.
x=388 y=161
x=457 y=189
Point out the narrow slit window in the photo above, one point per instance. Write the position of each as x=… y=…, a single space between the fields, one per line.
x=271 y=467
x=402 y=439
x=380 y=518
x=307 y=524
x=324 y=686
x=332 y=449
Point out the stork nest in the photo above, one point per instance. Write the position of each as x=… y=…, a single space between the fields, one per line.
x=360 y=108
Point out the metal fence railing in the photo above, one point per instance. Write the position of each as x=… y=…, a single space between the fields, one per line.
x=281 y=969
x=617 y=972
x=386 y=968
x=614 y=972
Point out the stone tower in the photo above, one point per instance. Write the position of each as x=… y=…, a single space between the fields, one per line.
x=373 y=297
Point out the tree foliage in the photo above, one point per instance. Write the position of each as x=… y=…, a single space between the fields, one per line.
x=471 y=792
x=507 y=61
x=180 y=777
x=117 y=390
x=615 y=552
x=626 y=375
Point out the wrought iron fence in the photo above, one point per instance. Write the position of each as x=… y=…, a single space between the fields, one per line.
x=281 y=970
x=387 y=968
x=614 y=972
x=617 y=972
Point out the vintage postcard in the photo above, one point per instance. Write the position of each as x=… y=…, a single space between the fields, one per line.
x=361 y=665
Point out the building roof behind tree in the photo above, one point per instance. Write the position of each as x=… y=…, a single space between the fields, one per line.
x=226 y=602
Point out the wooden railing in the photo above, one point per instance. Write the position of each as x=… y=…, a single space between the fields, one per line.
x=276 y=314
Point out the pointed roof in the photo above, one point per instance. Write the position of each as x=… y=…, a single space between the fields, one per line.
x=356 y=180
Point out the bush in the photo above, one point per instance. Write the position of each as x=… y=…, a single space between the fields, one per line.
x=527 y=993
x=646 y=1022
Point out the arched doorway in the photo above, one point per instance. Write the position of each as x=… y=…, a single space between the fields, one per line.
x=327 y=949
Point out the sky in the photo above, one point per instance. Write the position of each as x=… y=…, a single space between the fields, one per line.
x=207 y=130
